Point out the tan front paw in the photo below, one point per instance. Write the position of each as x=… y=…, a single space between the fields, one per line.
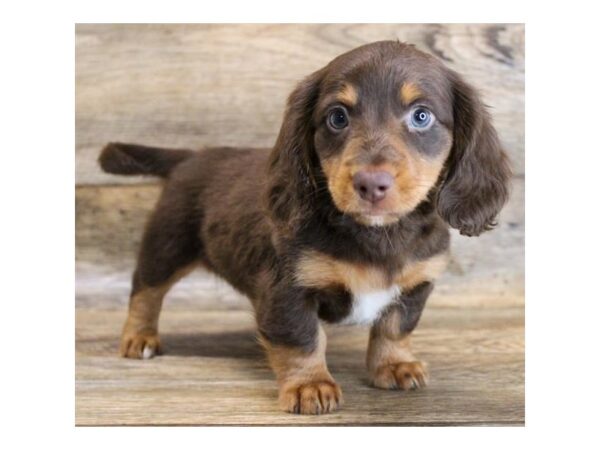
x=402 y=375
x=315 y=397
x=140 y=345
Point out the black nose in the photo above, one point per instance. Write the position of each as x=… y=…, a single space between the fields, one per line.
x=372 y=186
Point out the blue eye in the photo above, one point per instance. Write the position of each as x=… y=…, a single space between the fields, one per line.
x=421 y=117
x=338 y=118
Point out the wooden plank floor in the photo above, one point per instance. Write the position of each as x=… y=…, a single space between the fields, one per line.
x=214 y=372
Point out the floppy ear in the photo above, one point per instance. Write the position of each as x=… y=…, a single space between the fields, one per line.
x=291 y=175
x=478 y=171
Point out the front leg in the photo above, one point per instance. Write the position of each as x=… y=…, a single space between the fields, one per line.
x=295 y=343
x=390 y=361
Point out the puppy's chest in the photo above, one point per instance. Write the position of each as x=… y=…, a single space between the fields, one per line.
x=371 y=289
x=367 y=306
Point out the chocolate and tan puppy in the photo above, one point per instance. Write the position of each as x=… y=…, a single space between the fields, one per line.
x=345 y=220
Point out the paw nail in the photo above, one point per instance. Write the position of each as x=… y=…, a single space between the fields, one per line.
x=147 y=353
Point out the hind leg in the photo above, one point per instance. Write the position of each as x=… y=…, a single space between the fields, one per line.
x=170 y=249
x=139 y=338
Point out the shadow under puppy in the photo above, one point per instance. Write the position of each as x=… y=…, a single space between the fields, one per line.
x=344 y=220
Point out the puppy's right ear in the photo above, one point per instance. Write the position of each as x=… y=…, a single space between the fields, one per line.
x=291 y=169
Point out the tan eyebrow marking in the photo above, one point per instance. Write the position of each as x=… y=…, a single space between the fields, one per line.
x=348 y=95
x=409 y=92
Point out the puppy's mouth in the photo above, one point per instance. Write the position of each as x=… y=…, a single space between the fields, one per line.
x=373 y=215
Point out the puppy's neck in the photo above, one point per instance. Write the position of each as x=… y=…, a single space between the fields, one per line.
x=339 y=235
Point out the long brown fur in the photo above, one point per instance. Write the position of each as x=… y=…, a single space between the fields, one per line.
x=292 y=228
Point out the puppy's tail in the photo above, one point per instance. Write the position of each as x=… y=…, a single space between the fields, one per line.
x=132 y=159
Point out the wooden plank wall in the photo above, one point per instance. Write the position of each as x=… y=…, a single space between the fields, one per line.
x=204 y=85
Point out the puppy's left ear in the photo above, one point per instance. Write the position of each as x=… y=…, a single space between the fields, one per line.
x=476 y=185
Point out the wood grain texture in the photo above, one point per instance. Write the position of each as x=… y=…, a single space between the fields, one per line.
x=226 y=84
x=214 y=373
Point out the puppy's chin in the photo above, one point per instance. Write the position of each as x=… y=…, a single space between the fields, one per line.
x=376 y=220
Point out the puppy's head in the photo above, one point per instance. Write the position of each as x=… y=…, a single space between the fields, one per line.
x=382 y=127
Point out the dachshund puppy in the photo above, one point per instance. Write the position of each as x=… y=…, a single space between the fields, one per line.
x=345 y=220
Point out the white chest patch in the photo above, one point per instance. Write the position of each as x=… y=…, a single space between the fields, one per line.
x=366 y=307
